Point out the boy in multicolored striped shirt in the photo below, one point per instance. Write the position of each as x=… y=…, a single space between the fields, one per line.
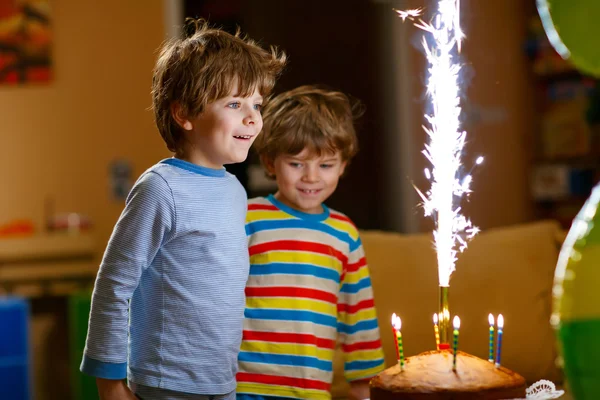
x=309 y=283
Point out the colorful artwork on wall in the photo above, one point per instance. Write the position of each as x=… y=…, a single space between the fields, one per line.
x=25 y=41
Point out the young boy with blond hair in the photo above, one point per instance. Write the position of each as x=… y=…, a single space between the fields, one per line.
x=168 y=302
x=309 y=283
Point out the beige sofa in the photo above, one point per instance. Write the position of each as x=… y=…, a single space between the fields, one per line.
x=505 y=270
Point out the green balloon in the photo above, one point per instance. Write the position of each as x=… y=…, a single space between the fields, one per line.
x=573 y=27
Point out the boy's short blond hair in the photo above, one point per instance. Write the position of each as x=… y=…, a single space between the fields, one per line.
x=308 y=117
x=201 y=67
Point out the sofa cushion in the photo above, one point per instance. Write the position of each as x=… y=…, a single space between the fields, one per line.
x=505 y=270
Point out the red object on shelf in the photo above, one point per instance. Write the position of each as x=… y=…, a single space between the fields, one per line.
x=17 y=228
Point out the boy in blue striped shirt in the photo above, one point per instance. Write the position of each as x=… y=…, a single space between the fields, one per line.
x=168 y=302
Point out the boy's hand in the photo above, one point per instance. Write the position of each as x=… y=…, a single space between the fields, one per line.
x=359 y=390
x=113 y=389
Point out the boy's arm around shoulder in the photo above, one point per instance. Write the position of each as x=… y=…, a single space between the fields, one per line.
x=145 y=223
x=359 y=330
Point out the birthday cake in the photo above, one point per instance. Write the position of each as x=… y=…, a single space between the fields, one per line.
x=430 y=376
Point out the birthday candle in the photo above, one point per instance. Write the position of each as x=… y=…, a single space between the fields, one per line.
x=491 y=344
x=395 y=339
x=436 y=330
x=397 y=323
x=499 y=339
x=456 y=323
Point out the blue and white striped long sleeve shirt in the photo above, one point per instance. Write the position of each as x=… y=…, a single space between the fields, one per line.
x=168 y=303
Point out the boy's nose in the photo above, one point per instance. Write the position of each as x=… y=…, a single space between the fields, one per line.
x=311 y=175
x=252 y=117
x=249 y=120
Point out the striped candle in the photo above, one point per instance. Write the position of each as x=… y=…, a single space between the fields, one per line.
x=436 y=331
x=395 y=340
x=456 y=323
x=397 y=324
x=499 y=339
x=491 y=344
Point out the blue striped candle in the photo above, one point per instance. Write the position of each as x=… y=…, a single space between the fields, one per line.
x=491 y=344
x=499 y=339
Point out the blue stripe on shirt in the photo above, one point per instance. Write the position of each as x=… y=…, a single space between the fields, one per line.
x=282 y=359
x=295 y=269
x=362 y=365
x=359 y=326
x=353 y=288
x=267 y=225
x=291 y=315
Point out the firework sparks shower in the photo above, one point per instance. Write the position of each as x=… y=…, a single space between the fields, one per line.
x=446 y=141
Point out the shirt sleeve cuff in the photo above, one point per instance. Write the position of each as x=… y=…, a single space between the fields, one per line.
x=104 y=370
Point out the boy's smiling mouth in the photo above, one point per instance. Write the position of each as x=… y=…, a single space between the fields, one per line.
x=310 y=191
x=243 y=137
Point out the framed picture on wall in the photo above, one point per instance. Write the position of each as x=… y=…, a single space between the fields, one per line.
x=25 y=41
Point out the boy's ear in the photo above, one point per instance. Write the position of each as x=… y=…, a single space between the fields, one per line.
x=343 y=167
x=269 y=166
x=179 y=116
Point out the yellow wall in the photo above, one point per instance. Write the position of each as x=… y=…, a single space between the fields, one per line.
x=502 y=81
x=58 y=139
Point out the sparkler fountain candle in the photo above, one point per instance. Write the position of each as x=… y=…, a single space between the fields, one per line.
x=427 y=375
x=446 y=142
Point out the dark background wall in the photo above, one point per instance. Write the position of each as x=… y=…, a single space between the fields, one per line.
x=334 y=43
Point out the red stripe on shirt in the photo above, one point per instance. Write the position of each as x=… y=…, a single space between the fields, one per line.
x=357 y=265
x=372 y=345
x=252 y=207
x=283 y=337
x=296 y=245
x=341 y=217
x=354 y=308
x=282 y=381
x=285 y=291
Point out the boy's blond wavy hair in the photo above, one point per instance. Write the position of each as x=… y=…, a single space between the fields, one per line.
x=201 y=67
x=308 y=117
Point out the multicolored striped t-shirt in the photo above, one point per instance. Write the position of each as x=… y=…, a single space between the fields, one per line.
x=309 y=286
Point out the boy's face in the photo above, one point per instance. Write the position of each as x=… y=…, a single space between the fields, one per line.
x=305 y=180
x=224 y=131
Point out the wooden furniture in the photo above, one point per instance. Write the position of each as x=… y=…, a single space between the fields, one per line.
x=46 y=270
x=46 y=265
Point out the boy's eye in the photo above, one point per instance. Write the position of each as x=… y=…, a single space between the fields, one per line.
x=326 y=165
x=258 y=107
x=234 y=105
x=295 y=164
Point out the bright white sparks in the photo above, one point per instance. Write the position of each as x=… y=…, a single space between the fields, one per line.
x=410 y=14
x=446 y=139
